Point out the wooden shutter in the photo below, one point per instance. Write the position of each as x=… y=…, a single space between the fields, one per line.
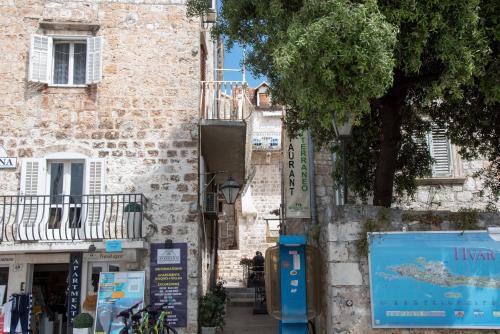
x=40 y=59
x=441 y=152
x=95 y=176
x=33 y=176
x=94 y=59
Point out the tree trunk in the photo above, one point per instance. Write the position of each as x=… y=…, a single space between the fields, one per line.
x=391 y=117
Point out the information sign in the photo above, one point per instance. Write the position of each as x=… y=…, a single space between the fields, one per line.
x=169 y=280
x=435 y=280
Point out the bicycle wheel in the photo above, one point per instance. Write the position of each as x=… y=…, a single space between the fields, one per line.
x=168 y=330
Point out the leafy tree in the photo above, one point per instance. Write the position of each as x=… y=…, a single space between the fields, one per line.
x=396 y=66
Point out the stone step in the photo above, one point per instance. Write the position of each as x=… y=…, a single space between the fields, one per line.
x=239 y=290
x=242 y=295
x=241 y=301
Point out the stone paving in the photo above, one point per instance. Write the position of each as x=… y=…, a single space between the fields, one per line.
x=241 y=320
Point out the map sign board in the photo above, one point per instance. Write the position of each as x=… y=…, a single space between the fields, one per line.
x=118 y=291
x=435 y=280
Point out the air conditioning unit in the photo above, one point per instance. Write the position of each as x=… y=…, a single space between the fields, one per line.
x=211 y=204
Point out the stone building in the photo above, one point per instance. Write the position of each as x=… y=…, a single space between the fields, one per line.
x=253 y=225
x=106 y=112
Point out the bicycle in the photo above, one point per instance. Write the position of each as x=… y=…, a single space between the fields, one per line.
x=135 y=326
x=160 y=325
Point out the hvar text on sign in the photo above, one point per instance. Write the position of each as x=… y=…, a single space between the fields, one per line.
x=5 y=161
x=296 y=176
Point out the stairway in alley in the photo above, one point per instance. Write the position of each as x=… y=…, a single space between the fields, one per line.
x=240 y=317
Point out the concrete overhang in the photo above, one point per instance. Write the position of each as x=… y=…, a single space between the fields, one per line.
x=223 y=146
x=63 y=246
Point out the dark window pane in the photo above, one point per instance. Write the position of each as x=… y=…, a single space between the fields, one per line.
x=4 y=280
x=61 y=63
x=95 y=277
x=75 y=217
x=114 y=268
x=55 y=218
x=56 y=182
x=79 y=64
x=76 y=186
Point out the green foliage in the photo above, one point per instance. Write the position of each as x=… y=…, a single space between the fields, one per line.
x=83 y=320
x=362 y=244
x=133 y=207
x=211 y=312
x=221 y=291
x=326 y=59
x=465 y=219
x=197 y=8
x=372 y=225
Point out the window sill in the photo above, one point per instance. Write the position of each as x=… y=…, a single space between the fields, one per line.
x=441 y=181
x=67 y=86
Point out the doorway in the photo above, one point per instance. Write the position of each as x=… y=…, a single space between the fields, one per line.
x=50 y=286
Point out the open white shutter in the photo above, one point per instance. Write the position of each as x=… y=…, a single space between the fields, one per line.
x=94 y=59
x=95 y=175
x=40 y=58
x=33 y=176
x=441 y=152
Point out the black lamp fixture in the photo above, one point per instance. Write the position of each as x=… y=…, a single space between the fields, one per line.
x=230 y=190
x=168 y=243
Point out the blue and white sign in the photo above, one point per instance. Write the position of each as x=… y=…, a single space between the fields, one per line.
x=113 y=246
x=435 y=280
x=5 y=161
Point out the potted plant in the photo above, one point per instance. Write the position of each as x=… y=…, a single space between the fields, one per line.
x=211 y=313
x=221 y=292
x=133 y=218
x=82 y=323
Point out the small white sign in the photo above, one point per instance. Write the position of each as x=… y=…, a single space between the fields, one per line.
x=8 y=163
x=169 y=256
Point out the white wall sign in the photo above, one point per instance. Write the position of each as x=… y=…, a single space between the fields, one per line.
x=5 y=161
x=296 y=176
x=127 y=255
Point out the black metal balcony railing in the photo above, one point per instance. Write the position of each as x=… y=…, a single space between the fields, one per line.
x=70 y=217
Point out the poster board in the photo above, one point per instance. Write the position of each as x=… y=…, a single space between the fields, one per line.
x=169 y=281
x=117 y=291
x=435 y=280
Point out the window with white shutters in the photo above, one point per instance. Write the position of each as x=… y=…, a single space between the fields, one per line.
x=66 y=61
x=95 y=169
x=32 y=185
x=94 y=59
x=440 y=149
x=40 y=58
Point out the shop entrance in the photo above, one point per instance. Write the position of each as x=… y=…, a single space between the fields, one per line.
x=50 y=285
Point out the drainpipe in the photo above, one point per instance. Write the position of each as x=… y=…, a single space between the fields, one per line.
x=312 y=192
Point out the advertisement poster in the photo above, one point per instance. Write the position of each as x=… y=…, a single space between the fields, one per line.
x=169 y=281
x=296 y=176
x=118 y=291
x=435 y=280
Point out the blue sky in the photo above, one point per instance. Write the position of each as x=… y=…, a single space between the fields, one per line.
x=233 y=60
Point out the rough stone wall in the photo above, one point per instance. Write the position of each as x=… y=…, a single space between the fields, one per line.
x=346 y=273
x=142 y=118
x=462 y=191
x=263 y=196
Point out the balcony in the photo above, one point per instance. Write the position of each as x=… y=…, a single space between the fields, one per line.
x=226 y=120
x=71 y=218
x=266 y=141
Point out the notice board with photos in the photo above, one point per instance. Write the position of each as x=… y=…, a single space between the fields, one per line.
x=118 y=291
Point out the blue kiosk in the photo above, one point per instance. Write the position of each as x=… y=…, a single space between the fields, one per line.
x=292 y=283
